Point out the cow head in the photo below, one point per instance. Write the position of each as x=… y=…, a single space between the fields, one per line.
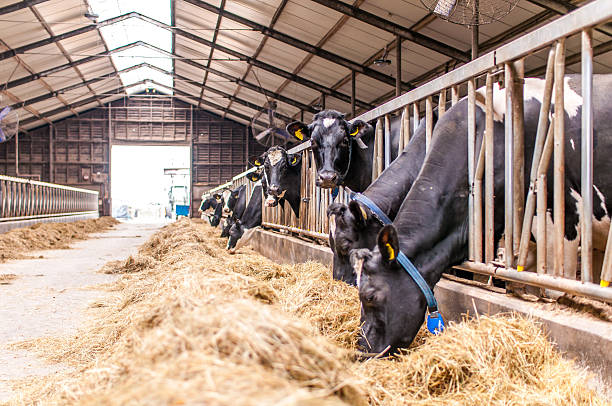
x=350 y=228
x=208 y=203
x=392 y=306
x=235 y=233
x=331 y=138
x=227 y=224
x=279 y=169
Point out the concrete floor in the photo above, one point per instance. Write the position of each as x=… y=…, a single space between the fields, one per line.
x=51 y=294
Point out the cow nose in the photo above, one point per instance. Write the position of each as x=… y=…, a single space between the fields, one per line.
x=226 y=210
x=328 y=178
x=274 y=189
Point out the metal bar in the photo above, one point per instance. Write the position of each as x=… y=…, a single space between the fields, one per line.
x=478 y=203
x=543 y=281
x=406 y=125
x=428 y=122
x=541 y=194
x=454 y=94
x=397 y=29
x=541 y=139
x=296 y=230
x=508 y=168
x=471 y=146
x=415 y=116
x=519 y=150
x=387 y=141
x=559 y=161
x=442 y=103
x=489 y=172
x=378 y=149
x=39 y=216
x=586 y=180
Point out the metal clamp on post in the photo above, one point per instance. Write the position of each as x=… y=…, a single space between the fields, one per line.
x=435 y=321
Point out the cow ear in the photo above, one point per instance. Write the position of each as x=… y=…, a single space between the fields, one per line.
x=259 y=161
x=360 y=213
x=254 y=176
x=388 y=244
x=294 y=159
x=357 y=128
x=299 y=130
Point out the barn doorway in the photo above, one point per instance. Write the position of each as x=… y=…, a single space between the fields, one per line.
x=150 y=183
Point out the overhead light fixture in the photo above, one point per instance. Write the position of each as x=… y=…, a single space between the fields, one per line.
x=383 y=60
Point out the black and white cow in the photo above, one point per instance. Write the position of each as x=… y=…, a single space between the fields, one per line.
x=354 y=226
x=282 y=172
x=209 y=202
x=215 y=217
x=431 y=227
x=343 y=151
x=230 y=197
x=244 y=226
x=238 y=197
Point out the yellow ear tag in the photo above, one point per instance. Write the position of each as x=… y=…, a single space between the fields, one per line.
x=298 y=134
x=354 y=133
x=520 y=268
x=363 y=213
x=604 y=284
x=294 y=161
x=257 y=163
x=390 y=251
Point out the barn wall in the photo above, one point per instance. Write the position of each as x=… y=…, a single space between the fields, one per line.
x=76 y=151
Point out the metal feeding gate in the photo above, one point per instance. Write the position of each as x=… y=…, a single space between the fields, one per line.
x=505 y=63
x=24 y=199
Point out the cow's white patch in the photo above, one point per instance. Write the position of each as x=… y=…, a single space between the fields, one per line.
x=332 y=225
x=602 y=198
x=246 y=237
x=270 y=200
x=533 y=89
x=358 y=269
x=328 y=122
x=226 y=194
x=275 y=156
x=572 y=142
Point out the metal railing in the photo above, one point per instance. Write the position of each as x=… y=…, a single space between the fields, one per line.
x=507 y=63
x=24 y=199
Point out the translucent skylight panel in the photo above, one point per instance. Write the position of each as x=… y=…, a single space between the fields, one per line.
x=133 y=30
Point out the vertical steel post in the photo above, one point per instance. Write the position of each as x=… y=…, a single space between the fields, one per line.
x=586 y=180
x=519 y=151
x=471 y=140
x=406 y=124
x=51 y=155
x=454 y=95
x=442 y=103
x=508 y=167
x=415 y=116
x=398 y=75
x=387 y=141
x=428 y=122
x=400 y=143
x=489 y=173
x=559 y=160
x=541 y=139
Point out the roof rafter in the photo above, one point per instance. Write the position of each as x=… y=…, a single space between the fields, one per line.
x=20 y=5
x=212 y=50
x=304 y=46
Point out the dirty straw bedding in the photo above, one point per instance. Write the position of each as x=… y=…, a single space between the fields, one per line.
x=187 y=323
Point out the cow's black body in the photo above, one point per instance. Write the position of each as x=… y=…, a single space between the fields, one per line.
x=355 y=227
x=209 y=203
x=250 y=219
x=432 y=223
x=215 y=218
x=282 y=174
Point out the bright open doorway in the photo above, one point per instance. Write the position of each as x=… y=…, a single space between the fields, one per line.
x=150 y=182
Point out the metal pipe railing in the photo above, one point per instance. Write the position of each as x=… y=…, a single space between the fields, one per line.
x=23 y=199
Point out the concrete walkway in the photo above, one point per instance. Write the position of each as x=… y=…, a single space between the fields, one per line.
x=51 y=294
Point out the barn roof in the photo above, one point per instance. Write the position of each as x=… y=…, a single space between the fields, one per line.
x=233 y=57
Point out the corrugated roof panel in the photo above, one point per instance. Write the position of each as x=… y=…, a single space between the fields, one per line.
x=29 y=90
x=281 y=55
x=43 y=58
x=106 y=85
x=10 y=69
x=193 y=90
x=265 y=79
x=306 y=21
x=62 y=80
x=324 y=72
x=260 y=11
x=47 y=105
x=219 y=83
x=94 y=69
x=357 y=40
x=20 y=28
x=188 y=71
x=187 y=48
x=231 y=67
x=235 y=37
x=300 y=93
x=195 y=20
x=64 y=15
x=253 y=97
x=83 y=45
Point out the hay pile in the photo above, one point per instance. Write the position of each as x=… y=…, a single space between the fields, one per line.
x=189 y=324
x=14 y=244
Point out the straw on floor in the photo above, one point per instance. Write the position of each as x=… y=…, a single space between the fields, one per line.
x=189 y=324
